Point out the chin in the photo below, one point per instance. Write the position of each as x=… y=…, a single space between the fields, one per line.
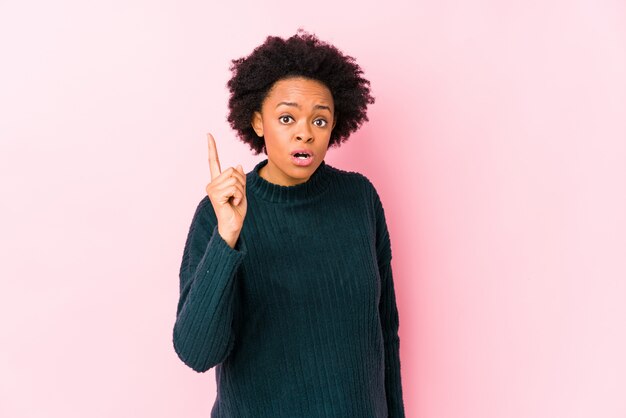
x=302 y=173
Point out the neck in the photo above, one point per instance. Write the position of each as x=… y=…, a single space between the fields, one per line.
x=259 y=184
x=266 y=173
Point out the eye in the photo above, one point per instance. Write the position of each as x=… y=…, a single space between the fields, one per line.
x=284 y=119
x=322 y=124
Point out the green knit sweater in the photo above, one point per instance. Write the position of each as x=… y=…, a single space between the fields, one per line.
x=300 y=318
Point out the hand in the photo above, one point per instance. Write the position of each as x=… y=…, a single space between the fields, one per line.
x=227 y=192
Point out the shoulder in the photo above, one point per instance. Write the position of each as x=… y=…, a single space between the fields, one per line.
x=353 y=178
x=374 y=209
x=357 y=181
x=204 y=214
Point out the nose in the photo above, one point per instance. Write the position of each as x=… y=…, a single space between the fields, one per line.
x=304 y=133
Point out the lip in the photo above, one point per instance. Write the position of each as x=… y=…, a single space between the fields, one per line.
x=302 y=151
x=300 y=162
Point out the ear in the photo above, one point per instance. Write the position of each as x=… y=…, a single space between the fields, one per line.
x=257 y=123
x=334 y=123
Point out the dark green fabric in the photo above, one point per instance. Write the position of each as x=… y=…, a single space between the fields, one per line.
x=300 y=318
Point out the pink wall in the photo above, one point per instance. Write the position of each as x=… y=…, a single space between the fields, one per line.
x=497 y=143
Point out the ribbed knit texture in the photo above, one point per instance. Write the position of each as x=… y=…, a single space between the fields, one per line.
x=300 y=318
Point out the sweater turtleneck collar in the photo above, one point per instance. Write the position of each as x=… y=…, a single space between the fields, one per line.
x=315 y=185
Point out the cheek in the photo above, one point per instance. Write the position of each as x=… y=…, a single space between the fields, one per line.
x=277 y=131
x=275 y=137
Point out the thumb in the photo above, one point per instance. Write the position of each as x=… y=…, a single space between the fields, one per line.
x=240 y=169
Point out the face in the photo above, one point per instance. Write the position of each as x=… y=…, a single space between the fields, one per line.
x=296 y=115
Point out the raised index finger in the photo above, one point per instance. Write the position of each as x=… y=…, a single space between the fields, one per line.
x=214 y=161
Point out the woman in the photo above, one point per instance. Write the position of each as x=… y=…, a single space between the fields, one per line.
x=285 y=283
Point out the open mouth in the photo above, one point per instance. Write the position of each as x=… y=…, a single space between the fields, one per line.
x=302 y=157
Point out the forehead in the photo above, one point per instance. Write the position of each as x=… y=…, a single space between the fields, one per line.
x=300 y=89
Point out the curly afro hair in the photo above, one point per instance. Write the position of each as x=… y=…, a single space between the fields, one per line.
x=302 y=55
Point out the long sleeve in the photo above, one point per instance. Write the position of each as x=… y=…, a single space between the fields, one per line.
x=388 y=316
x=390 y=325
x=203 y=333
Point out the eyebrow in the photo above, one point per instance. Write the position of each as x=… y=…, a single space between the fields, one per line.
x=298 y=106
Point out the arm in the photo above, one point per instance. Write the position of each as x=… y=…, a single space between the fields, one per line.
x=388 y=315
x=390 y=324
x=203 y=335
